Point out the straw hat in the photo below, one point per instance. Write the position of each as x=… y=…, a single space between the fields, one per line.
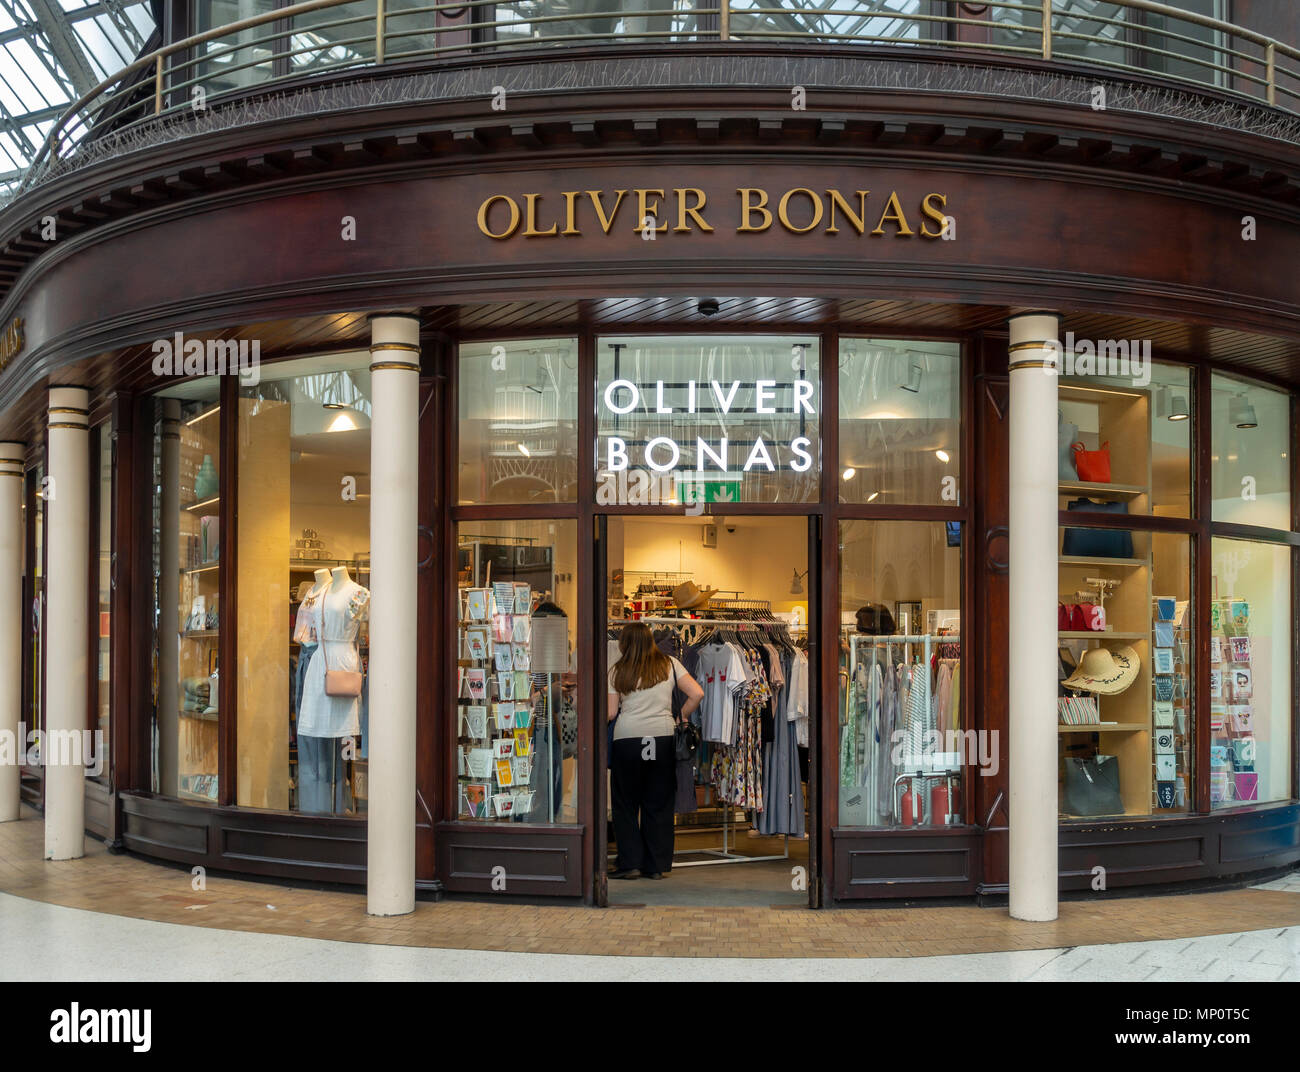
x=1105 y=672
x=686 y=596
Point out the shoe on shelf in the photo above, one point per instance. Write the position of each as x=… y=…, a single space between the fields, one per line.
x=630 y=872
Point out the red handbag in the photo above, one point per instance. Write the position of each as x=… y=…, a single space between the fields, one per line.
x=1093 y=465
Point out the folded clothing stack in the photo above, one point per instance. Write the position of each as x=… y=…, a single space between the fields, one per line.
x=197 y=693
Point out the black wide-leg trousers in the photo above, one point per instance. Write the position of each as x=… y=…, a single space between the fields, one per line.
x=641 y=796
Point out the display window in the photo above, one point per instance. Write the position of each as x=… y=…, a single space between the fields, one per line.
x=518 y=426
x=303 y=553
x=187 y=612
x=903 y=747
x=1250 y=438
x=1126 y=703
x=707 y=419
x=900 y=422
x=102 y=544
x=1125 y=442
x=516 y=694
x=1250 y=673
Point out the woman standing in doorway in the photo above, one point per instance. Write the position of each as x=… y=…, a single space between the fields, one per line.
x=643 y=763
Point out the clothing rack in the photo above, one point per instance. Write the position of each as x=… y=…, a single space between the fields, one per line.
x=724 y=855
x=926 y=640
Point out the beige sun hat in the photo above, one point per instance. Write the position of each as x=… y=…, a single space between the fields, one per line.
x=1105 y=672
x=686 y=596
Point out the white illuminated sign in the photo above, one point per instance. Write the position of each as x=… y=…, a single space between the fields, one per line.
x=663 y=454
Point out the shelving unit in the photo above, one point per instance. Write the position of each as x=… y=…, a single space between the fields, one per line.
x=1123 y=417
x=199 y=588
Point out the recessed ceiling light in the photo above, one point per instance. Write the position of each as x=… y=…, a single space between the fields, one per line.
x=942 y=455
x=849 y=473
x=872 y=496
x=524 y=450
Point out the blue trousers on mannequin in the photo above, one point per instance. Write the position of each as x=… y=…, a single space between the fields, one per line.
x=320 y=762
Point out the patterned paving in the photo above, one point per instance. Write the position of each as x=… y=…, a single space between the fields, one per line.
x=131 y=887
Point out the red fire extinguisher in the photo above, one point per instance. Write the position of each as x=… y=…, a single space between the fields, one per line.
x=911 y=806
x=940 y=804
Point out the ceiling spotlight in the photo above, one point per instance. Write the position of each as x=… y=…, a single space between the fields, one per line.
x=849 y=473
x=942 y=455
x=1242 y=413
x=913 y=383
x=708 y=307
x=872 y=496
x=1178 y=410
x=524 y=450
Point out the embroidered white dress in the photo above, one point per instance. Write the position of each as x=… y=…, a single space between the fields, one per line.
x=342 y=609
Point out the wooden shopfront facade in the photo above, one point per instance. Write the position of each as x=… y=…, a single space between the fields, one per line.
x=587 y=215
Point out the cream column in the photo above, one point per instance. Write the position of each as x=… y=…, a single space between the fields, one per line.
x=1031 y=627
x=67 y=497
x=169 y=625
x=394 y=494
x=12 y=617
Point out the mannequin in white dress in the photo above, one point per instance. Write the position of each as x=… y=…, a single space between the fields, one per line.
x=325 y=722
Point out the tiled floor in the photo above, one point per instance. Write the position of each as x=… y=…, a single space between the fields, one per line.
x=1252 y=933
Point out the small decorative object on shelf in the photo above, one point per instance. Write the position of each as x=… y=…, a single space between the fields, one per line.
x=205 y=481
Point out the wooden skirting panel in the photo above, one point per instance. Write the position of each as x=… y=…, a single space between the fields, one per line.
x=889 y=864
x=536 y=860
x=99 y=810
x=273 y=844
x=1202 y=847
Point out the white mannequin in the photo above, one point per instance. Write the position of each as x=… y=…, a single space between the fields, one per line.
x=340 y=575
x=322 y=576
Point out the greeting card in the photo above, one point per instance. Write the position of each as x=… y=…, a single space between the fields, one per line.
x=1165 y=607
x=476 y=642
x=504 y=592
x=501 y=657
x=523 y=716
x=1242 y=719
x=1164 y=634
x=523 y=598
x=520 y=653
x=1216 y=649
x=523 y=769
x=1164 y=714
x=475 y=721
x=1216 y=684
x=1219 y=787
x=474 y=800
x=501 y=628
x=477 y=681
x=1240 y=649
x=505 y=773
x=1243 y=753
x=505 y=716
x=503 y=747
x=1243 y=685
x=1164 y=742
x=523 y=687
x=1164 y=687
x=1240 y=615
x=476 y=601
x=1164 y=660
x=1165 y=794
x=1246 y=783
x=523 y=743
x=523 y=803
x=504 y=803
x=521 y=628
x=1165 y=768
x=461 y=768
x=478 y=761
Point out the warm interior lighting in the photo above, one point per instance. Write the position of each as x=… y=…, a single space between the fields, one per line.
x=942 y=455
x=202 y=416
x=344 y=422
x=1178 y=408
x=872 y=496
x=849 y=473
x=524 y=450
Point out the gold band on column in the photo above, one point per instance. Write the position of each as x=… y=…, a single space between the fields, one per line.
x=380 y=365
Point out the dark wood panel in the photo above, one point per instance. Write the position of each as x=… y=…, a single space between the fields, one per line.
x=892 y=864
x=536 y=860
x=99 y=810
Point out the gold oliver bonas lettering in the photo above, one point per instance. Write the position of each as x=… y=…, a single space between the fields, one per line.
x=12 y=341
x=798 y=211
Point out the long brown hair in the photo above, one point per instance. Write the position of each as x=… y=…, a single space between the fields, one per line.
x=641 y=663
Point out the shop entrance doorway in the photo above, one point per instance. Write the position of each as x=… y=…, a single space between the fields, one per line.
x=733 y=600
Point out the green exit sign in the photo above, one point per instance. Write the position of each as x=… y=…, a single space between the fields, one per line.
x=710 y=491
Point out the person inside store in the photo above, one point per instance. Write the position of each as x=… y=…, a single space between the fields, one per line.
x=643 y=762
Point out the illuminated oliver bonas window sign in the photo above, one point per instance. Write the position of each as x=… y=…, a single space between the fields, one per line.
x=711 y=399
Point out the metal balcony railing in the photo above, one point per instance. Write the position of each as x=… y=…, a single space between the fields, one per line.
x=1135 y=37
